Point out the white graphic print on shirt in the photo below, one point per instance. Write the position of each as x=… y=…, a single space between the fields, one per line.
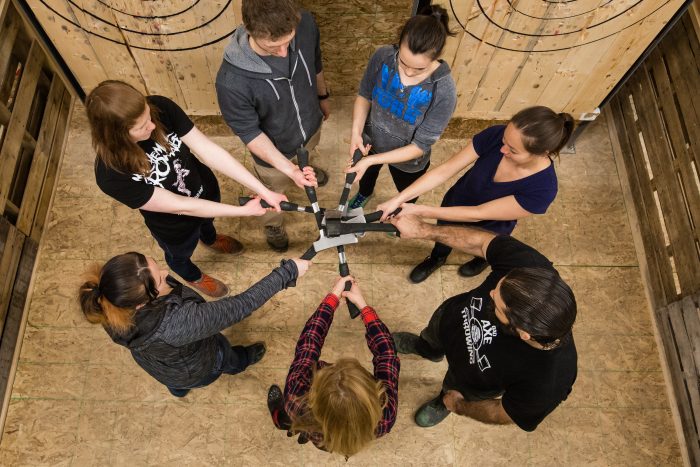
x=160 y=168
x=477 y=333
x=181 y=174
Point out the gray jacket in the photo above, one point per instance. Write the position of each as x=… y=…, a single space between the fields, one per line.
x=401 y=115
x=174 y=337
x=255 y=98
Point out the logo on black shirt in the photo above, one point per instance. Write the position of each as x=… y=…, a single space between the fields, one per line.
x=477 y=333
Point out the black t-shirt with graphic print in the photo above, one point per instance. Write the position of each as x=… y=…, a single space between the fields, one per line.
x=482 y=358
x=178 y=171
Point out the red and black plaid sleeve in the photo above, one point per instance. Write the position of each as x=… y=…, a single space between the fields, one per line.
x=307 y=353
x=386 y=365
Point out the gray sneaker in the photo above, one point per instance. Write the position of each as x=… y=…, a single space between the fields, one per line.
x=409 y=343
x=431 y=413
x=277 y=238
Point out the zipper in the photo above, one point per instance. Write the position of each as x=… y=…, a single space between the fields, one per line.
x=296 y=107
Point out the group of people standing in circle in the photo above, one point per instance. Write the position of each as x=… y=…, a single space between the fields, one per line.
x=508 y=343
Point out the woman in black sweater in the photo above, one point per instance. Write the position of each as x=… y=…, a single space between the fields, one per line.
x=171 y=331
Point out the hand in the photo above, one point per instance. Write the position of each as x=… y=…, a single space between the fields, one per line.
x=253 y=207
x=302 y=265
x=451 y=399
x=305 y=177
x=274 y=199
x=325 y=108
x=409 y=226
x=355 y=295
x=357 y=143
x=339 y=286
x=387 y=207
x=412 y=209
x=359 y=169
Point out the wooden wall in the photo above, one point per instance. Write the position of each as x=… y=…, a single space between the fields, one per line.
x=507 y=53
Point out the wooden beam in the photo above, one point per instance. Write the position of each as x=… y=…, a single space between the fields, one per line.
x=8 y=42
x=40 y=159
x=20 y=114
x=9 y=260
x=28 y=140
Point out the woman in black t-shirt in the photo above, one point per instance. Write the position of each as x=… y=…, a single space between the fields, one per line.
x=144 y=161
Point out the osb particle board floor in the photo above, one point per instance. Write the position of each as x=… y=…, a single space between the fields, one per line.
x=78 y=399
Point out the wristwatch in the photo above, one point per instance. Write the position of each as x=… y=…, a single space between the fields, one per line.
x=324 y=96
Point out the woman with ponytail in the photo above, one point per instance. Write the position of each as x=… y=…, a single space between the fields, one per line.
x=405 y=101
x=171 y=331
x=512 y=177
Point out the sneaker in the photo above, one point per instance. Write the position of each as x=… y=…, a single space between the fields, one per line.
x=255 y=352
x=426 y=268
x=409 y=343
x=431 y=413
x=321 y=176
x=473 y=268
x=226 y=244
x=277 y=238
x=178 y=392
x=358 y=201
x=210 y=286
x=275 y=404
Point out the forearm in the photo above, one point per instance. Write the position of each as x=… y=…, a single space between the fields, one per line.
x=402 y=154
x=468 y=239
x=451 y=213
x=263 y=148
x=360 y=110
x=427 y=182
x=489 y=411
x=321 y=86
x=219 y=159
x=165 y=201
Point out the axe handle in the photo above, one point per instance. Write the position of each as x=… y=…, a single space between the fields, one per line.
x=308 y=255
x=376 y=215
x=344 y=271
x=284 y=205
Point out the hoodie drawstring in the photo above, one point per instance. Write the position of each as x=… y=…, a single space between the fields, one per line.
x=308 y=74
x=273 y=88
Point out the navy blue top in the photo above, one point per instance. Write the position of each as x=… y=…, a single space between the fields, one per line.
x=533 y=193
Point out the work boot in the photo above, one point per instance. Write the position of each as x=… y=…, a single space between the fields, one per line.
x=277 y=238
x=431 y=413
x=226 y=244
x=473 y=267
x=209 y=286
x=275 y=404
x=321 y=176
x=359 y=201
x=178 y=392
x=426 y=268
x=409 y=343
x=255 y=352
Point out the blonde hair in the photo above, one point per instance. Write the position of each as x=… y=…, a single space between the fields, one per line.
x=345 y=404
x=112 y=109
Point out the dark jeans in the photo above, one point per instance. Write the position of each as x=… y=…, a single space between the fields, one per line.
x=229 y=360
x=177 y=256
x=431 y=346
x=402 y=180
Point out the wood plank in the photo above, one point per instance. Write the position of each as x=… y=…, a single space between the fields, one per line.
x=9 y=34
x=20 y=114
x=678 y=225
x=691 y=318
x=11 y=340
x=37 y=171
x=27 y=139
x=55 y=157
x=9 y=260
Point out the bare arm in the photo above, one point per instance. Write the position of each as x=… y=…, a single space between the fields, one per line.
x=470 y=240
x=322 y=89
x=501 y=209
x=360 y=110
x=163 y=200
x=489 y=411
x=262 y=147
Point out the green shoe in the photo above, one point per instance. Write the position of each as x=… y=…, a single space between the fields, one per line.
x=431 y=413
x=409 y=343
x=359 y=201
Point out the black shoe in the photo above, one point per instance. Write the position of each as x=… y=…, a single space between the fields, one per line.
x=409 y=343
x=473 y=268
x=426 y=268
x=255 y=352
x=276 y=238
x=431 y=413
x=178 y=392
x=321 y=176
x=275 y=404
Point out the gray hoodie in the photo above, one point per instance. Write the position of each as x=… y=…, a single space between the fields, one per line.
x=255 y=98
x=401 y=115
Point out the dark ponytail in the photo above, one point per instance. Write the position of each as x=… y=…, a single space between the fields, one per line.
x=110 y=294
x=544 y=132
x=427 y=32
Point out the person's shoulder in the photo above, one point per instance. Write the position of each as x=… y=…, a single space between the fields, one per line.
x=516 y=253
x=306 y=20
x=385 y=51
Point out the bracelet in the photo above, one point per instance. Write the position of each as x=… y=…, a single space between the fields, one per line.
x=324 y=96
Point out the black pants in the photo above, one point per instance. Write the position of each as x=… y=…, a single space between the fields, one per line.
x=177 y=256
x=402 y=180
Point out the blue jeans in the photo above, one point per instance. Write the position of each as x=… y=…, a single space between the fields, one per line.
x=229 y=360
x=177 y=256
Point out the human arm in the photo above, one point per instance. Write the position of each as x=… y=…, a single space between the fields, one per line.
x=322 y=90
x=263 y=147
x=489 y=411
x=360 y=110
x=216 y=157
x=163 y=200
x=191 y=320
x=501 y=209
x=431 y=179
x=384 y=357
x=402 y=154
x=468 y=239
x=308 y=351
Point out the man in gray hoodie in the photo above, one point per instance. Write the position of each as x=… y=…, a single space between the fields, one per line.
x=272 y=94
